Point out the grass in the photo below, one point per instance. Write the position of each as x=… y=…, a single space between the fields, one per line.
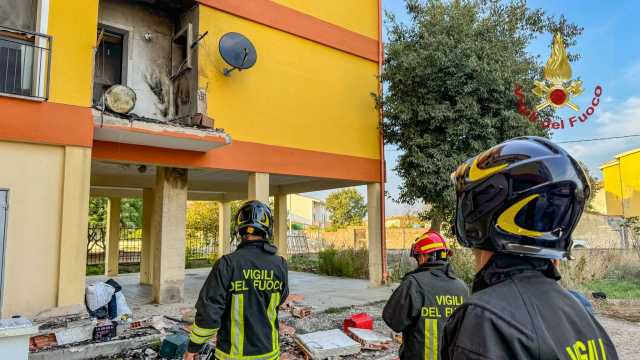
x=305 y=263
x=617 y=289
x=344 y=263
x=122 y=269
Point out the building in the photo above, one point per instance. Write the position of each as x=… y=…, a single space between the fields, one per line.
x=196 y=130
x=621 y=180
x=305 y=211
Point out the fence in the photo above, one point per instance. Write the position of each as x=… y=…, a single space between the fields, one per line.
x=200 y=244
x=24 y=63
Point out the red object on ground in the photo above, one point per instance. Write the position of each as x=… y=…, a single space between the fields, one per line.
x=360 y=321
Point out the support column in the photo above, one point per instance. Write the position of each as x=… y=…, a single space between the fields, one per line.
x=259 y=187
x=375 y=238
x=224 y=227
x=146 y=256
x=168 y=223
x=73 y=227
x=280 y=226
x=112 y=252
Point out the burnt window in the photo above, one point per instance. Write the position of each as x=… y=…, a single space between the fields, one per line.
x=109 y=62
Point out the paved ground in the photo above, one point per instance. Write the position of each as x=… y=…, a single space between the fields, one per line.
x=320 y=292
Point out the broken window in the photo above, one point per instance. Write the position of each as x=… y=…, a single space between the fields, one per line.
x=110 y=62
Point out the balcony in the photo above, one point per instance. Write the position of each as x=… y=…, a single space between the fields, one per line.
x=25 y=59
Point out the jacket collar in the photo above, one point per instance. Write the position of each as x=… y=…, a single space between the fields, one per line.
x=443 y=266
x=263 y=245
x=504 y=266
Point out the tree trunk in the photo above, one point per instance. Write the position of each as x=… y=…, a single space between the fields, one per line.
x=436 y=223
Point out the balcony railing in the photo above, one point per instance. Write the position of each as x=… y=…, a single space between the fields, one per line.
x=25 y=59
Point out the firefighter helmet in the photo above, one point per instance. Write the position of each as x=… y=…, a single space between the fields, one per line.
x=523 y=196
x=254 y=218
x=428 y=243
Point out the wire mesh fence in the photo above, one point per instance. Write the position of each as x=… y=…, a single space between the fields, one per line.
x=201 y=243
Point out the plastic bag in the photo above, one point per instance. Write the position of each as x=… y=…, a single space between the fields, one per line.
x=98 y=295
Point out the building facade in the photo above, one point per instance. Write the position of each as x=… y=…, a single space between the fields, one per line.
x=621 y=179
x=301 y=119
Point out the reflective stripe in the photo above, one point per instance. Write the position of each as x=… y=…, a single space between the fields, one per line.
x=430 y=339
x=272 y=313
x=237 y=326
x=219 y=354
x=201 y=335
x=435 y=339
x=602 y=351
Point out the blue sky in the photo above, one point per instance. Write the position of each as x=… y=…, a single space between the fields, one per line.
x=610 y=52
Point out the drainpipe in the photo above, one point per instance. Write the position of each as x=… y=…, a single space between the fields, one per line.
x=383 y=240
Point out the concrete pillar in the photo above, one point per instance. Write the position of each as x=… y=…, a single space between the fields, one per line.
x=375 y=238
x=280 y=227
x=224 y=227
x=259 y=187
x=73 y=227
x=168 y=226
x=146 y=256
x=112 y=252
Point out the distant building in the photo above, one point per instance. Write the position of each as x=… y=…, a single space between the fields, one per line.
x=306 y=211
x=403 y=221
x=621 y=179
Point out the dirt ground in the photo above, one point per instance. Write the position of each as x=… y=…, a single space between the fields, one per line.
x=625 y=334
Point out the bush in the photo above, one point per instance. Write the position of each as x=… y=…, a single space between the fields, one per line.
x=463 y=265
x=306 y=263
x=346 y=263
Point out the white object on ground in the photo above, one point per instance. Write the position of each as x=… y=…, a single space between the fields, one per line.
x=99 y=295
x=327 y=344
x=75 y=332
x=14 y=338
x=122 y=307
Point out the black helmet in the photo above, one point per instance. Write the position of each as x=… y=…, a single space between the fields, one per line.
x=524 y=196
x=254 y=218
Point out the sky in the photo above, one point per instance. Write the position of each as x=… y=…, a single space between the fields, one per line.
x=610 y=52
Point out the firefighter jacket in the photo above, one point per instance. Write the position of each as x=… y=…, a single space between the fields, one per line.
x=239 y=301
x=419 y=307
x=519 y=311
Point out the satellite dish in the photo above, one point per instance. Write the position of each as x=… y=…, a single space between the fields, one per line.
x=237 y=51
x=120 y=99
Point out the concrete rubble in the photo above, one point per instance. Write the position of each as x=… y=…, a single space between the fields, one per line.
x=369 y=339
x=327 y=344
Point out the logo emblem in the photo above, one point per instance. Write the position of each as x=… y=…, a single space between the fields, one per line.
x=557 y=89
x=507 y=220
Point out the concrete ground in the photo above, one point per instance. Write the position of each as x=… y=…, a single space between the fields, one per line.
x=320 y=292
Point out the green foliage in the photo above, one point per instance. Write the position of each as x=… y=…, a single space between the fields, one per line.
x=98 y=210
x=346 y=208
x=450 y=75
x=305 y=263
x=617 y=289
x=345 y=263
x=593 y=184
x=463 y=265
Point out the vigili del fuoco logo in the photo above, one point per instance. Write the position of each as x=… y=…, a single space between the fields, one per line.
x=558 y=90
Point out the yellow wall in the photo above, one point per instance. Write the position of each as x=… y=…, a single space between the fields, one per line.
x=300 y=206
x=611 y=188
x=34 y=278
x=300 y=94
x=630 y=175
x=360 y=16
x=73 y=25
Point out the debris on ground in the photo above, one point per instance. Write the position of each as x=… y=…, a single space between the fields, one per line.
x=290 y=301
x=300 y=311
x=369 y=339
x=360 y=321
x=174 y=346
x=327 y=344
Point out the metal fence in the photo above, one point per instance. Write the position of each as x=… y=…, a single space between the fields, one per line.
x=25 y=57
x=200 y=243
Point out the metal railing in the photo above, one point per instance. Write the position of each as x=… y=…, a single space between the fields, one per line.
x=201 y=243
x=25 y=59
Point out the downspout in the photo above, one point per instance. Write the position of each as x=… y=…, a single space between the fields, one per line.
x=383 y=235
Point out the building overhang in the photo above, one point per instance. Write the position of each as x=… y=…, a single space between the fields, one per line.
x=156 y=134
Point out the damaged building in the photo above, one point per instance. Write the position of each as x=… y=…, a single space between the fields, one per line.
x=133 y=99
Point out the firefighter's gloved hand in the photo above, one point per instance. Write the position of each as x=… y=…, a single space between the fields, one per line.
x=191 y=356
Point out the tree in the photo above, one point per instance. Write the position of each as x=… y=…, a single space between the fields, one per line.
x=346 y=207
x=594 y=184
x=450 y=75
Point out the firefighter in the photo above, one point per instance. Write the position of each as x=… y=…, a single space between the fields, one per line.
x=426 y=297
x=239 y=301
x=517 y=205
